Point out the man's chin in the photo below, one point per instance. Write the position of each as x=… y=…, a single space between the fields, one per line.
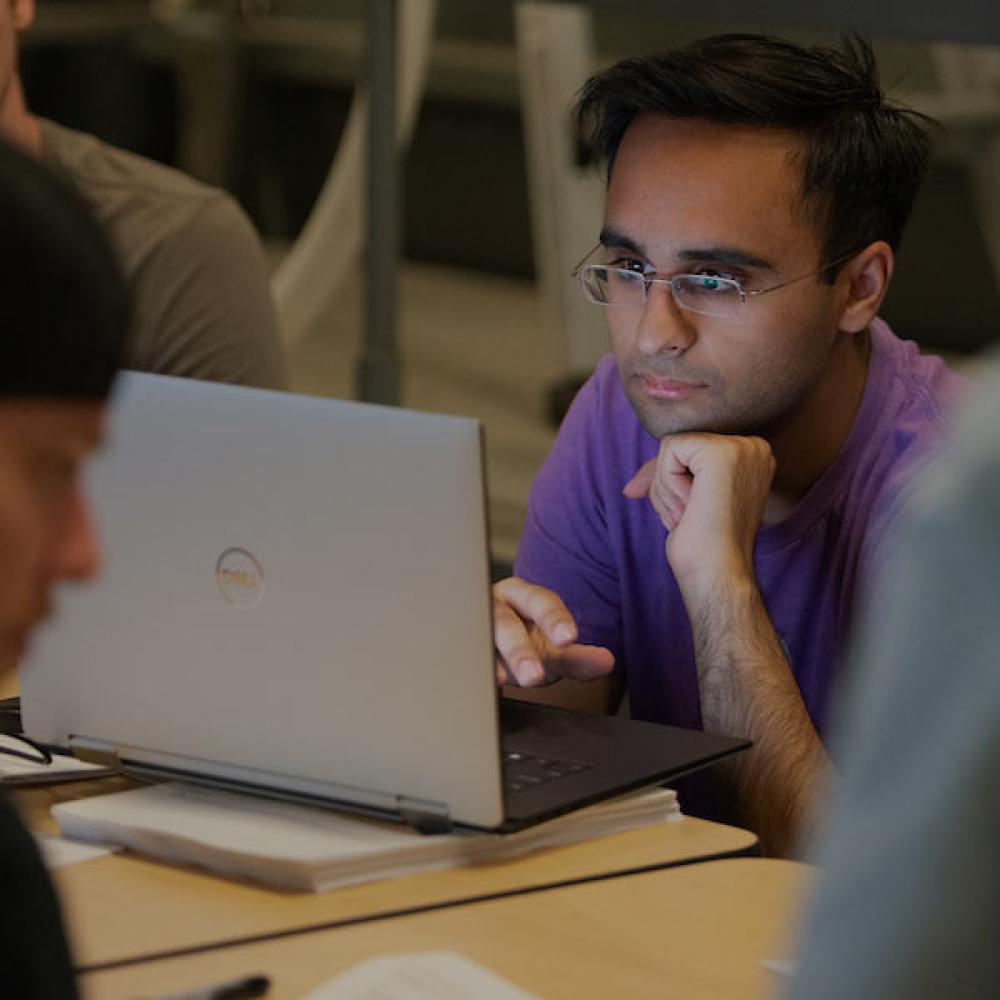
x=661 y=420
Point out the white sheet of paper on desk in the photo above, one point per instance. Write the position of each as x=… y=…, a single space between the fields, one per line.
x=58 y=852
x=426 y=975
x=780 y=966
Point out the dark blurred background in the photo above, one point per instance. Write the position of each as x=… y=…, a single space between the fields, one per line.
x=281 y=75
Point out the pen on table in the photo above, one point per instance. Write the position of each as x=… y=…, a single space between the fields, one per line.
x=234 y=989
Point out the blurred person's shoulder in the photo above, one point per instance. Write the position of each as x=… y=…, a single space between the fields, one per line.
x=141 y=201
x=34 y=954
x=196 y=269
x=99 y=168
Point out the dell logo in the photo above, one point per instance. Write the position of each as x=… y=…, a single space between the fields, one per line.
x=240 y=578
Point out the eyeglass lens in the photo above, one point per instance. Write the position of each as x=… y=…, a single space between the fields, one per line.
x=615 y=286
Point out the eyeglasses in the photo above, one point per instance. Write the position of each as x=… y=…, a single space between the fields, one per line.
x=708 y=294
x=24 y=748
x=13 y=743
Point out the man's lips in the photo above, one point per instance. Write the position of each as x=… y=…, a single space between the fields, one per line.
x=667 y=388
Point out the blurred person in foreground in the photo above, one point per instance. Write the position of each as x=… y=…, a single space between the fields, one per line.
x=197 y=276
x=63 y=321
x=715 y=499
x=908 y=905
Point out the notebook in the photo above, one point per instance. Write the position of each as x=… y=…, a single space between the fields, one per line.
x=309 y=849
x=295 y=601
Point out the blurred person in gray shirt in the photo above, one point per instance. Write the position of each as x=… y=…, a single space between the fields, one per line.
x=908 y=903
x=197 y=275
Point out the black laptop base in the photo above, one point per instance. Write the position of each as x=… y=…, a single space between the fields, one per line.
x=594 y=757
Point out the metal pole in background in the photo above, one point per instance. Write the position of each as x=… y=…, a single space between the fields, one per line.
x=211 y=63
x=378 y=372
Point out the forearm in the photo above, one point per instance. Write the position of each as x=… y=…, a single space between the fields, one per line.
x=747 y=689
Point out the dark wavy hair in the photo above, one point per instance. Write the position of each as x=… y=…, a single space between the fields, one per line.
x=63 y=303
x=863 y=158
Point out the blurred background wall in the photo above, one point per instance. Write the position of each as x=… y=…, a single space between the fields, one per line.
x=253 y=95
x=466 y=201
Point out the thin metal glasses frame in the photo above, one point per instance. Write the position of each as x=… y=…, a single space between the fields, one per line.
x=650 y=278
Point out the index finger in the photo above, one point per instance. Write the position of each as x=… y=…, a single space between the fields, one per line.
x=639 y=485
x=540 y=605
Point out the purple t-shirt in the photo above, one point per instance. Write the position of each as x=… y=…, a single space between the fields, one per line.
x=604 y=554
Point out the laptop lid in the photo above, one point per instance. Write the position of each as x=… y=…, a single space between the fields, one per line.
x=294 y=597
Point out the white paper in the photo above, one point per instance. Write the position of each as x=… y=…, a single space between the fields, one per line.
x=779 y=966
x=421 y=976
x=58 y=852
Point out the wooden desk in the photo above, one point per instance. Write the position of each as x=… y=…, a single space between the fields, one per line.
x=123 y=907
x=693 y=932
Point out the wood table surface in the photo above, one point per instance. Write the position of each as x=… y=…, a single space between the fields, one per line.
x=699 y=931
x=123 y=907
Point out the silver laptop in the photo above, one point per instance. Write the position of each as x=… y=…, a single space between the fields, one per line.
x=295 y=601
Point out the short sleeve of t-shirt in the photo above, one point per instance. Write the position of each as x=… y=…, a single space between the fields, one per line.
x=921 y=393
x=202 y=301
x=197 y=275
x=566 y=545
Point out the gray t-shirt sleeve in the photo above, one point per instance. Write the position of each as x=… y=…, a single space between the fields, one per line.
x=907 y=904
x=202 y=303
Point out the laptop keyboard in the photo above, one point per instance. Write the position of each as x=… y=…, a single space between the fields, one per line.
x=523 y=770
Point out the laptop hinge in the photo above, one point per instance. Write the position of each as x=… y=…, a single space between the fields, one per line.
x=94 y=751
x=424 y=816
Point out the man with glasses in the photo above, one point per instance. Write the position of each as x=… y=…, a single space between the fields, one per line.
x=713 y=504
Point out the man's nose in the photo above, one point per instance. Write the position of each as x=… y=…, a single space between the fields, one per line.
x=78 y=554
x=663 y=325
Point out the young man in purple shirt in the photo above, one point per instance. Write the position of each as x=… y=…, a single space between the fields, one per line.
x=712 y=506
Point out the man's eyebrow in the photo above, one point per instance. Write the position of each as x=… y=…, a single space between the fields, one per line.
x=612 y=238
x=722 y=255
x=727 y=256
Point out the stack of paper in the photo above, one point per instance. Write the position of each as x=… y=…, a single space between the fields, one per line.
x=309 y=848
x=57 y=852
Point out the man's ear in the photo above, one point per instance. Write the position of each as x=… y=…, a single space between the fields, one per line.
x=865 y=280
x=23 y=12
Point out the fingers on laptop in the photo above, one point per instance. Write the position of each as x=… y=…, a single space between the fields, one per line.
x=538 y=605
x=517 y=654
x=525 y=615
x=534 y=635
x=579 y=663
x=576 y=662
